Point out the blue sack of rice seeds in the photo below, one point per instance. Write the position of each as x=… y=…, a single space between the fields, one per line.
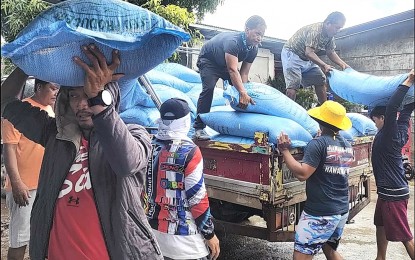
x=180 y=71
x=145 y=116
x=363 y=124
x=46 y=46
x=246 y=124
x=159 y=77
x=270 y=101
x=365 y=89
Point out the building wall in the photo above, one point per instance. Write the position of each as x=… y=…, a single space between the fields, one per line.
x=261 y=69
x=387 y=50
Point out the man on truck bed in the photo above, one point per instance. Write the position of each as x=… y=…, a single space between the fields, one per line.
x=325 y=166
x=219 y=58
x=302 y=66
x=391 y=217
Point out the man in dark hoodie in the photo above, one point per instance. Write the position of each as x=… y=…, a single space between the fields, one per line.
x=88 y=202
x=391 y=213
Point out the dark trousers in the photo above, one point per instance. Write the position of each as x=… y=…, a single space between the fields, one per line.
x=210 y=74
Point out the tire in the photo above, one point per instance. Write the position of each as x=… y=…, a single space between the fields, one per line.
x=230 y=212
x=409 y=171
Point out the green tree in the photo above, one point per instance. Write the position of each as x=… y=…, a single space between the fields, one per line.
x=200 y=8
x=305 y=96
x=16 y=14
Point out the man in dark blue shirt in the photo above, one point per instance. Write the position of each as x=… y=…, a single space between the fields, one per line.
x=219 y=58
x=325 y=167
x=391 y=217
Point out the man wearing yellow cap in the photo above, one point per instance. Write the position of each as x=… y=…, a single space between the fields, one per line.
x=325 y=167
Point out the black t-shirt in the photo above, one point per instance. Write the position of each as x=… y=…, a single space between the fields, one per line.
x=228 y=42
x=327 y=188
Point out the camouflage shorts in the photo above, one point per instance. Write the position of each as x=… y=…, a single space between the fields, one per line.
x=314 y=231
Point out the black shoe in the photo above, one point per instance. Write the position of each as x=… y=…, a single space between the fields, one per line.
x=200 y=134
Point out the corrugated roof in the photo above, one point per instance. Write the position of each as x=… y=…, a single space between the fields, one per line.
x=385 y=21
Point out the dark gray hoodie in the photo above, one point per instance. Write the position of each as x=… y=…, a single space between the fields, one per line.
x=118 y=155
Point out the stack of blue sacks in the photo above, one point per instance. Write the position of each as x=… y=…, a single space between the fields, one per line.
x=273 y=113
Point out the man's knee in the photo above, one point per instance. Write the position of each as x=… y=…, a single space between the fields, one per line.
x=291 y=93
x=16 y=253
x=333 y=244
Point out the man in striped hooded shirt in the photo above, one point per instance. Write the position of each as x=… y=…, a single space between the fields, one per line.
x=391 y=217
x=177 y=204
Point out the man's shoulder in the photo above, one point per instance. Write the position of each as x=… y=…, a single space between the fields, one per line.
x=226 y=37
x=314 y=27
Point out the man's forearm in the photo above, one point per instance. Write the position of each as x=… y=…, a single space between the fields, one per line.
x=237 y=81
x=10 y=162
x=315 y=59
x=11 y=87
x=244 y=78
x=336 y=59
x=13 y=84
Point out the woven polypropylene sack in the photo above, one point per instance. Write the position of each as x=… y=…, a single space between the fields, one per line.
x=164 y=93
x=132 y=94
x=217 y=100
x=159 y=77
x=270 y=101
x=367 y=89
x=145 y=116
x=363 y=124
x=350 y=134
x=46 y=46
x=246 y=124
x=180 y=71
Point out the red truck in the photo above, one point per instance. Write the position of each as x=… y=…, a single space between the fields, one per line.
x=245 y=180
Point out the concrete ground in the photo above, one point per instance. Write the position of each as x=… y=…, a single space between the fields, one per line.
x=358 y=243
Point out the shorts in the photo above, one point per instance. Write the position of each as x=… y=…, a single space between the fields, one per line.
x=393 y=216
x=314 y=231
x=298 y=72
x=19 y=227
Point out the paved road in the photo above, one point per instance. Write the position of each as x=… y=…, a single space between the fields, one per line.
x=358 y=243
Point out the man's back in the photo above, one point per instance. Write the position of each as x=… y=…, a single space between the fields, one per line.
x=227 y=42
x=327 y=189
x=29 y=154
x=309 y=36
x=178 y=206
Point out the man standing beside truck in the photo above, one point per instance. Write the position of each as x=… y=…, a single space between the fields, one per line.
x=325 y=167
x=176 y=198
x=22 y=159
x=219 y=58
x=391 y=213
x=299 y=56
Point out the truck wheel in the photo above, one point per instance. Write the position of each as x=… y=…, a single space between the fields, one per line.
x=230 y=212
x=409 y=171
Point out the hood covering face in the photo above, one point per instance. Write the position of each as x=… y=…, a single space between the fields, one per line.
x=66 y=123
x=174 y=129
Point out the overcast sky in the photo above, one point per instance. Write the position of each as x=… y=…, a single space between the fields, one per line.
x=284 y=17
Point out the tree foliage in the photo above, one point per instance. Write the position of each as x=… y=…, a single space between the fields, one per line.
x=200 y=8
x=16 y=14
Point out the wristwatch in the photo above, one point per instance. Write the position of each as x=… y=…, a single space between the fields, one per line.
x=104 y=98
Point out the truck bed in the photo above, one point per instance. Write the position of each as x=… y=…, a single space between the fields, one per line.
x=254 y=177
